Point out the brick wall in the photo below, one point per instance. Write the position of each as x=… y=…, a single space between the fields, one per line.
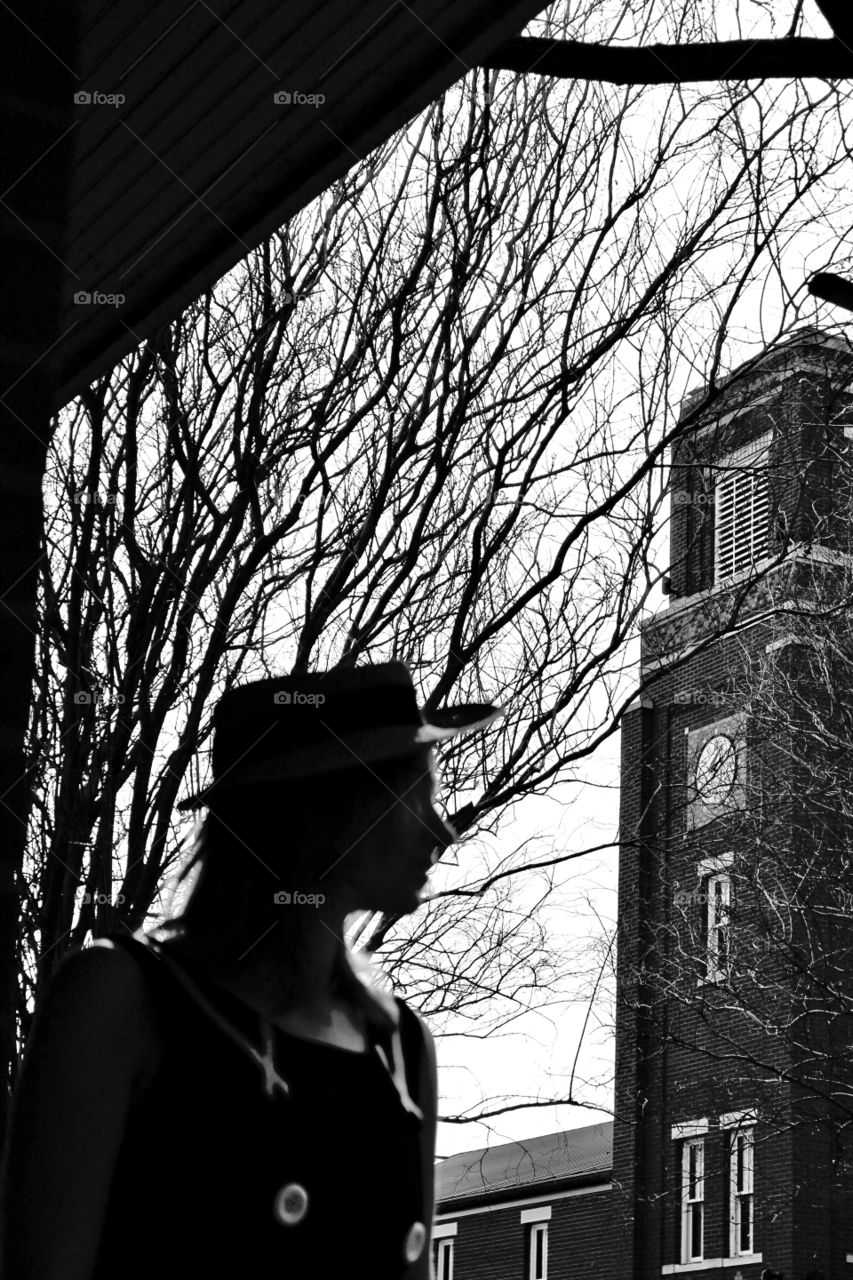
x=491 y=1243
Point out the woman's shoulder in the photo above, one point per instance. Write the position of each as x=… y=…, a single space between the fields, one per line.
x=103 y=969
x=108 y=969
x=100 y=997
x=417 y=1038
x=363 y=984
x=390 y=1010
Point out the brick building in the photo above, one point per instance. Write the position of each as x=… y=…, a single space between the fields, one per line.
x=535 y=1208
x=729 y=1145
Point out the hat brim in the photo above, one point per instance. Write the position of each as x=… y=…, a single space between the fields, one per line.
x=356 y=749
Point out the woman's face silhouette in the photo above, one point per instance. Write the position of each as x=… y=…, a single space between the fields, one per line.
x=385 y=867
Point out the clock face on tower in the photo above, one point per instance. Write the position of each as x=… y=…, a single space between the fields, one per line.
x=716 y=769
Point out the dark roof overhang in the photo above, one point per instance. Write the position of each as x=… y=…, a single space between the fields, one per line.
x=199 y=162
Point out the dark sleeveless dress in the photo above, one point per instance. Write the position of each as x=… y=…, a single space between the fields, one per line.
x=206 y=1151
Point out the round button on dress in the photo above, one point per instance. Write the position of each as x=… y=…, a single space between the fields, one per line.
x=291 y=1204
x=415 y=1241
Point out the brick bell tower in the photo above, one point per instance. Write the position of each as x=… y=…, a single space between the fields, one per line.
x=724 y=1164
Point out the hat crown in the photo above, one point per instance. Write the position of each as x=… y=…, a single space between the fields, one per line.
x=296 y=726
x=274 y=717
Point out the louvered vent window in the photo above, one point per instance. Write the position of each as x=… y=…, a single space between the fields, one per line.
x=741 y=508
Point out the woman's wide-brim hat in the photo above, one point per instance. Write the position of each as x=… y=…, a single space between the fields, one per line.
x=322 y=722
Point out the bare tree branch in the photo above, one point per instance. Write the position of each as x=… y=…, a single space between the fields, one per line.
x=798 y=56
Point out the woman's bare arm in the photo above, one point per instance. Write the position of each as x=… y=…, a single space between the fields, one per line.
x=90 y=1045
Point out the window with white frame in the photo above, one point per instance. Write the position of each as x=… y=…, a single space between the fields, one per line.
x=692 y=1199
x=742 y=508
x=444 y=1259
x=741 y=1192
x=538 y=1251
x=718 y=925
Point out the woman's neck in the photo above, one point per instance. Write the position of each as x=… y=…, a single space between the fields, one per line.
x=319 y=1008
x=272 y=980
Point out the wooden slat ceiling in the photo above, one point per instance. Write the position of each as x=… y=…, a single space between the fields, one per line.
x=199 y=163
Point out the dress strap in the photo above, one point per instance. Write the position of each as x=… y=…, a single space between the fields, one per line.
x=272 y=1080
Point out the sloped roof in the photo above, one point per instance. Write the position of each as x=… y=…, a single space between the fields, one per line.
x=571 y=1155
x=184 y=160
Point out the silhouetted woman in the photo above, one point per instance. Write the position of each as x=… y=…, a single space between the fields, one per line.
x=233 y=1094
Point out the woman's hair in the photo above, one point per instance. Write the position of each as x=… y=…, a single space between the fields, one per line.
x=259 y=845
